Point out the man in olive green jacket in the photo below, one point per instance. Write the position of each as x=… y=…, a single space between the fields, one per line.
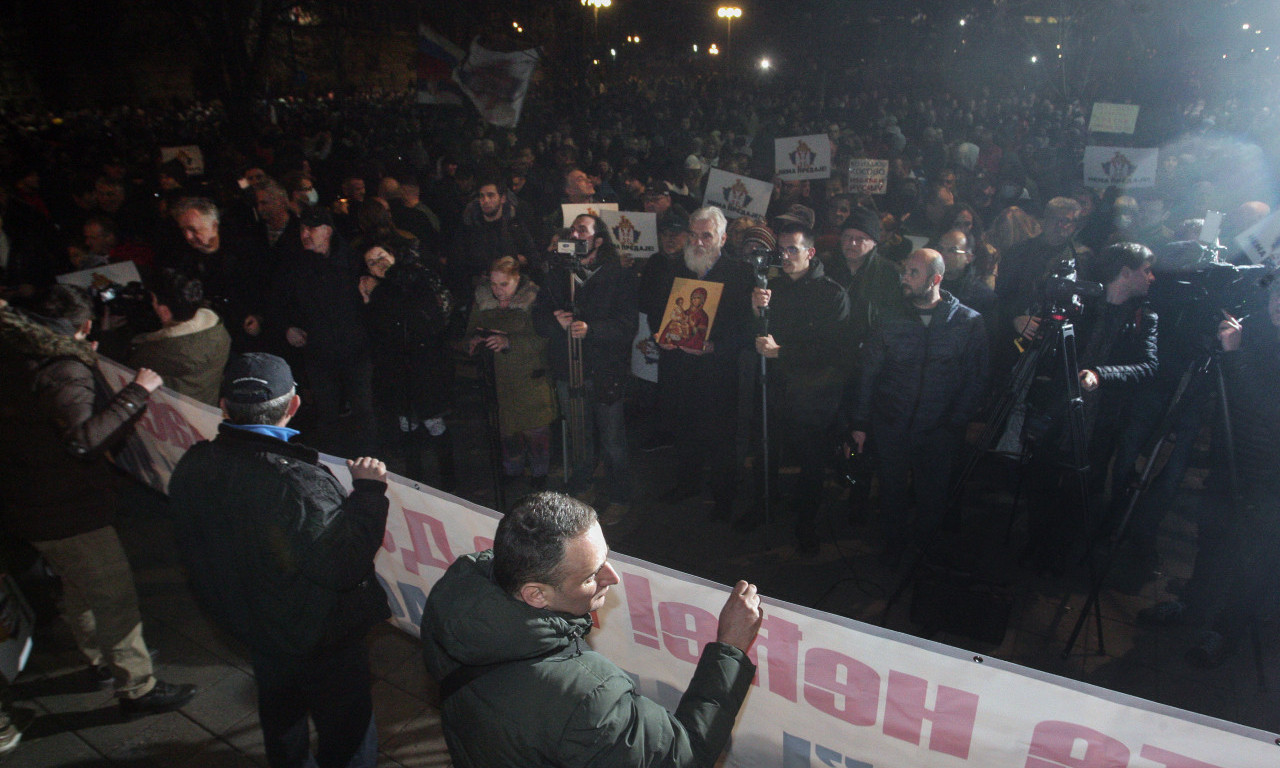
x=502 y=633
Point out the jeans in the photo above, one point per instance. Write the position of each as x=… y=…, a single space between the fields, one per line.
x=606 y=432
x=333 y=688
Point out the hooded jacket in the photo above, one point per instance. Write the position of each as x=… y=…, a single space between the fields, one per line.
x=190 y=355
x=58 y=419
x=556 y=702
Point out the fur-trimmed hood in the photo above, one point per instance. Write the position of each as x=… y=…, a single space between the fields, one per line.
x=203 y=320
x=30 y=335
x=525 y=295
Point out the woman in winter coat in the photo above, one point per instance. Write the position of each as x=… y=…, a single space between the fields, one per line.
x=501 y=325
x=407 y=312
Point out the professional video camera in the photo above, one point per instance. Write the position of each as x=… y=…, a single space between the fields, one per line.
x=1064 y=291
x=1193 y=287
x=761 y=260
x=131 y=301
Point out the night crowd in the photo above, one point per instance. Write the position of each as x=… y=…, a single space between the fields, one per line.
x=393 y=253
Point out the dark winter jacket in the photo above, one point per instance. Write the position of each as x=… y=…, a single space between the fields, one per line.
x=320 y=294
x=478 y=243
x=407 y=317
x=1250 y=375
x=559 y=703
x=917 y=378
x=277 y=552
x=607 y=303
x=875 y=292
x=807 y=319
x=58 y=420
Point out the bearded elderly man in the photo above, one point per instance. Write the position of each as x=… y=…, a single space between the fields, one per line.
x=700 y=385
x=503 y=631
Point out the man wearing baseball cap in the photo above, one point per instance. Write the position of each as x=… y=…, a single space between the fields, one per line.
x=281 y=556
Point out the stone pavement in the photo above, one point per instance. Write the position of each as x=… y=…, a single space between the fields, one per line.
x=73 y=724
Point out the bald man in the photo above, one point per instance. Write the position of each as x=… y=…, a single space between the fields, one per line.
x=922 y=380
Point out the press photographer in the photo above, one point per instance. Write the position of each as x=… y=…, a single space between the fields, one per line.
x=1115 y=345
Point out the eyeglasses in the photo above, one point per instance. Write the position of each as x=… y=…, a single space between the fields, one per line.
x=792 y=250
x=960 y=251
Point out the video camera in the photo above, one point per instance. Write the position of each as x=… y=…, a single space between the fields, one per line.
x=132 y=301
x=1065 y=291
x=761 y=260
x=1193 y=287
x=574 y=248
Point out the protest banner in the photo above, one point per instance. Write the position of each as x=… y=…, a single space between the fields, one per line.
x=1113 y=118
x=802 y=157
x=867 y=177
x=737 y=195
x=496 y=81
x=644 y=352
x=1125 y=167
x=97 y=278
x=571 y=211
x=829 y=691
x=189 y=155
x=1261 y=242
x=634 y=232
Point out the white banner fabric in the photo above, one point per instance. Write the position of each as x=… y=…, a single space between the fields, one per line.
x=737 y=195
x=1125 y=167
x=830 y=691
x=802 y=157
x=634 y=232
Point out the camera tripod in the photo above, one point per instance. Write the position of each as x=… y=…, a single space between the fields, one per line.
x=1054 y=338
x=1204 y=367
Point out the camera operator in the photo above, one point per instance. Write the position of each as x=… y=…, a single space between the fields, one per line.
x=1116 y=352
x=602 y=312
x=191 y=347
x=921 y=382
x=808 y=365
x=1233 y=569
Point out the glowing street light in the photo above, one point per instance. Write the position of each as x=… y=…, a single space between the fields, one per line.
x=596 y=5
x=765 y=64
x=1035 y=59
x=713 y=50
x=728 y=13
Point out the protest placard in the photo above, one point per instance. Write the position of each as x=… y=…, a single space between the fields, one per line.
x=737 y=195
x=1125 y=167
x=802 y=157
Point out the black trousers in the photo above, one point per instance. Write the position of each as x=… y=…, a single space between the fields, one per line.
x=333 y=689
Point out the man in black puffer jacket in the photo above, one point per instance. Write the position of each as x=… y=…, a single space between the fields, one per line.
x=282 y=558
x=922 y=380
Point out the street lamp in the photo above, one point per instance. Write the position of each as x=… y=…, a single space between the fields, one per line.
x=596 y=5
x=728 y=13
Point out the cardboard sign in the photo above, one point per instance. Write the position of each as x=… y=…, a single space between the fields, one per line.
x=644 y=353
x=1113 y=118
x=572 y=211
x=737 y=195
x=802 y=157
x=120 y=273
x=190 y=155
x=1124 y=167
x=1261 y=242
x=867 y=176
x=691 y=310
x=634 y=232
